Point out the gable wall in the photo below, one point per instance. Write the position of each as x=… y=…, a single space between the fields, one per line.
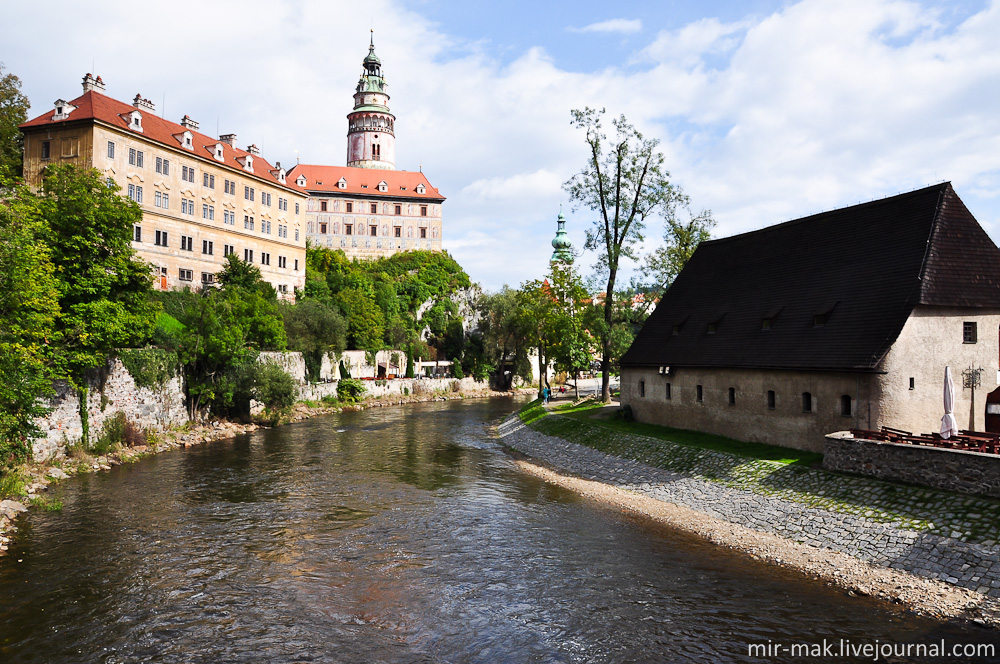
x=930 y=340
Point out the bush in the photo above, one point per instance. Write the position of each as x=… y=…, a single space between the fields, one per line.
x=149 y=367
x=274 y=388
x=344 y=373
x=350 y=390
x=119 y=431
x=456 y=370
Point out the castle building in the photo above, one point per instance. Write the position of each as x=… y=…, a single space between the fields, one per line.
x=367 y=208
x=202 y=198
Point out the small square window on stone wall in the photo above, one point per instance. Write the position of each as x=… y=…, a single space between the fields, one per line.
x=969 y=332
x=770 y=400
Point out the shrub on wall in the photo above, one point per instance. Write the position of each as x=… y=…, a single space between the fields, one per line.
x=149 y=367
x=350 y=390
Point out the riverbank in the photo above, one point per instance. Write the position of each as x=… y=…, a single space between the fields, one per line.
x=793 y=517
x=28 y=486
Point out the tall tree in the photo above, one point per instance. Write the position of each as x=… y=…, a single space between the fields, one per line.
x=103 y=286
x=625 y=183
x=680 y=239
x=315 y=329
x=29 y=308
x=13 y=111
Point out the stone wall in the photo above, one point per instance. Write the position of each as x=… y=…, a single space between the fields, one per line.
x=953 y=470
x=156 y=409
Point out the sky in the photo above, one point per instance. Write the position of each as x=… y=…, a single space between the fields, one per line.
x=765 y=110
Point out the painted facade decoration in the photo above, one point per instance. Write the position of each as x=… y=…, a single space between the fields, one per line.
x=841 y=320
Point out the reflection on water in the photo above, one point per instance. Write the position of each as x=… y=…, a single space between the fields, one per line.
x=390 y=535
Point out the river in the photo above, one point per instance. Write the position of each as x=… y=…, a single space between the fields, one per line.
x=399 y=534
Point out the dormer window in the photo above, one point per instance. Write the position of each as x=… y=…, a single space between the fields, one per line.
x=247 y=162
x=301 y=181
x=765 y=324
x=62 y=109
x=186 y=140
x=420 y=188
x=382 y=186
x=281 y=175
x=822 y=315
x=218 y=152
x=342 y=183
x=135 y=121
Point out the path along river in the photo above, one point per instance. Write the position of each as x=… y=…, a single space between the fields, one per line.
x=392 y=535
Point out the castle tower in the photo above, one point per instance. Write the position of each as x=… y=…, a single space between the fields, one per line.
x=561 y=243
x=371 y=142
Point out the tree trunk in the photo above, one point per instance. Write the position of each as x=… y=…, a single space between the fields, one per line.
x=606 y=341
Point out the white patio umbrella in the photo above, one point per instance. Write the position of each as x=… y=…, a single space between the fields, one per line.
x=949 y=427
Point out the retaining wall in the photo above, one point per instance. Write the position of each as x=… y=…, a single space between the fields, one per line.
x=953 y=470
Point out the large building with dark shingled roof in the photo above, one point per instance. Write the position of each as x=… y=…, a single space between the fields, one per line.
x=839 y=320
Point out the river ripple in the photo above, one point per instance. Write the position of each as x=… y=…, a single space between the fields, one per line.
x=390 y=535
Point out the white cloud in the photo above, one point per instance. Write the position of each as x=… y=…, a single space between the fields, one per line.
x=821 y=104
x=616 y=25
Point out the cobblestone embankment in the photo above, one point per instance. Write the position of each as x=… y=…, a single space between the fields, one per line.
x=940 y=536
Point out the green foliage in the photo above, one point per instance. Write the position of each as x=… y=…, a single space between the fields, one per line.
x=365 y=320
x=350 y=390
x=409 y=363
x=13 y=112
x=168 y=330
x=149 y=367
x=102 y=284
x=680 y=239
x=314 y=328
x=274 y=388
x=456 y=370
x=13 y=483
x=118 y=431
x=345 y=372
x=29 y=309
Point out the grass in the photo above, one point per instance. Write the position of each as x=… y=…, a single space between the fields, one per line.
x=597 y=414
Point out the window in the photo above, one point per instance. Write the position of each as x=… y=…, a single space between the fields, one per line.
x=135 y=193
x=208 y=212
x=676 y=330
x=348 y=229
x=47 y=149
x=423 y=232
x=265 y=226
x=111 y=149
x=265 y=198
x=667 y=394
x=765 y=324
x=229 y=187
x=349 y=206
x=248 y=255
x=137 y=234
x=265 y=258
x=163 y=166
x=187 y=174
x=185 y=275
x=247 y=222
x=187 y=206
x=161 y=199
x=207 y=247
x=187 y=243
x=229 y=218
x=282 y=262
x=131 y=153
x=770 y=400
x=296 y=208
x=374 y=230
x=161 y=239
x=845 y=405
x=228 y=250
x=323 y=227
x=968 y=333
x=208 y=180
x=207 y=278
x=913 y=383
x=732 y=396
x=423 y=210
x=711 y=328
x=699 y=393
x=374 y=208
x=399 y=209
x=139 y=158
x=398 y=231
x=807 y=402
x=642 y=388
x=296 y=233
x=819 y=320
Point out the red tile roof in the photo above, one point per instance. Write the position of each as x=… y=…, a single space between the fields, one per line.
x=364 y=181
x=93 y=105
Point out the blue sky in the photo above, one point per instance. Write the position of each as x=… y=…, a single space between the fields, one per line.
x=766 y=111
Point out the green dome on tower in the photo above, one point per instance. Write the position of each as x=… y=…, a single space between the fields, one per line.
x=561 y=243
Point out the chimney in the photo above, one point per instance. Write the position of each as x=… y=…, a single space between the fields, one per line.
x=228 y=139
x=141 y=104
x=188 y=123
x=253 y=149
x=91 y=83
